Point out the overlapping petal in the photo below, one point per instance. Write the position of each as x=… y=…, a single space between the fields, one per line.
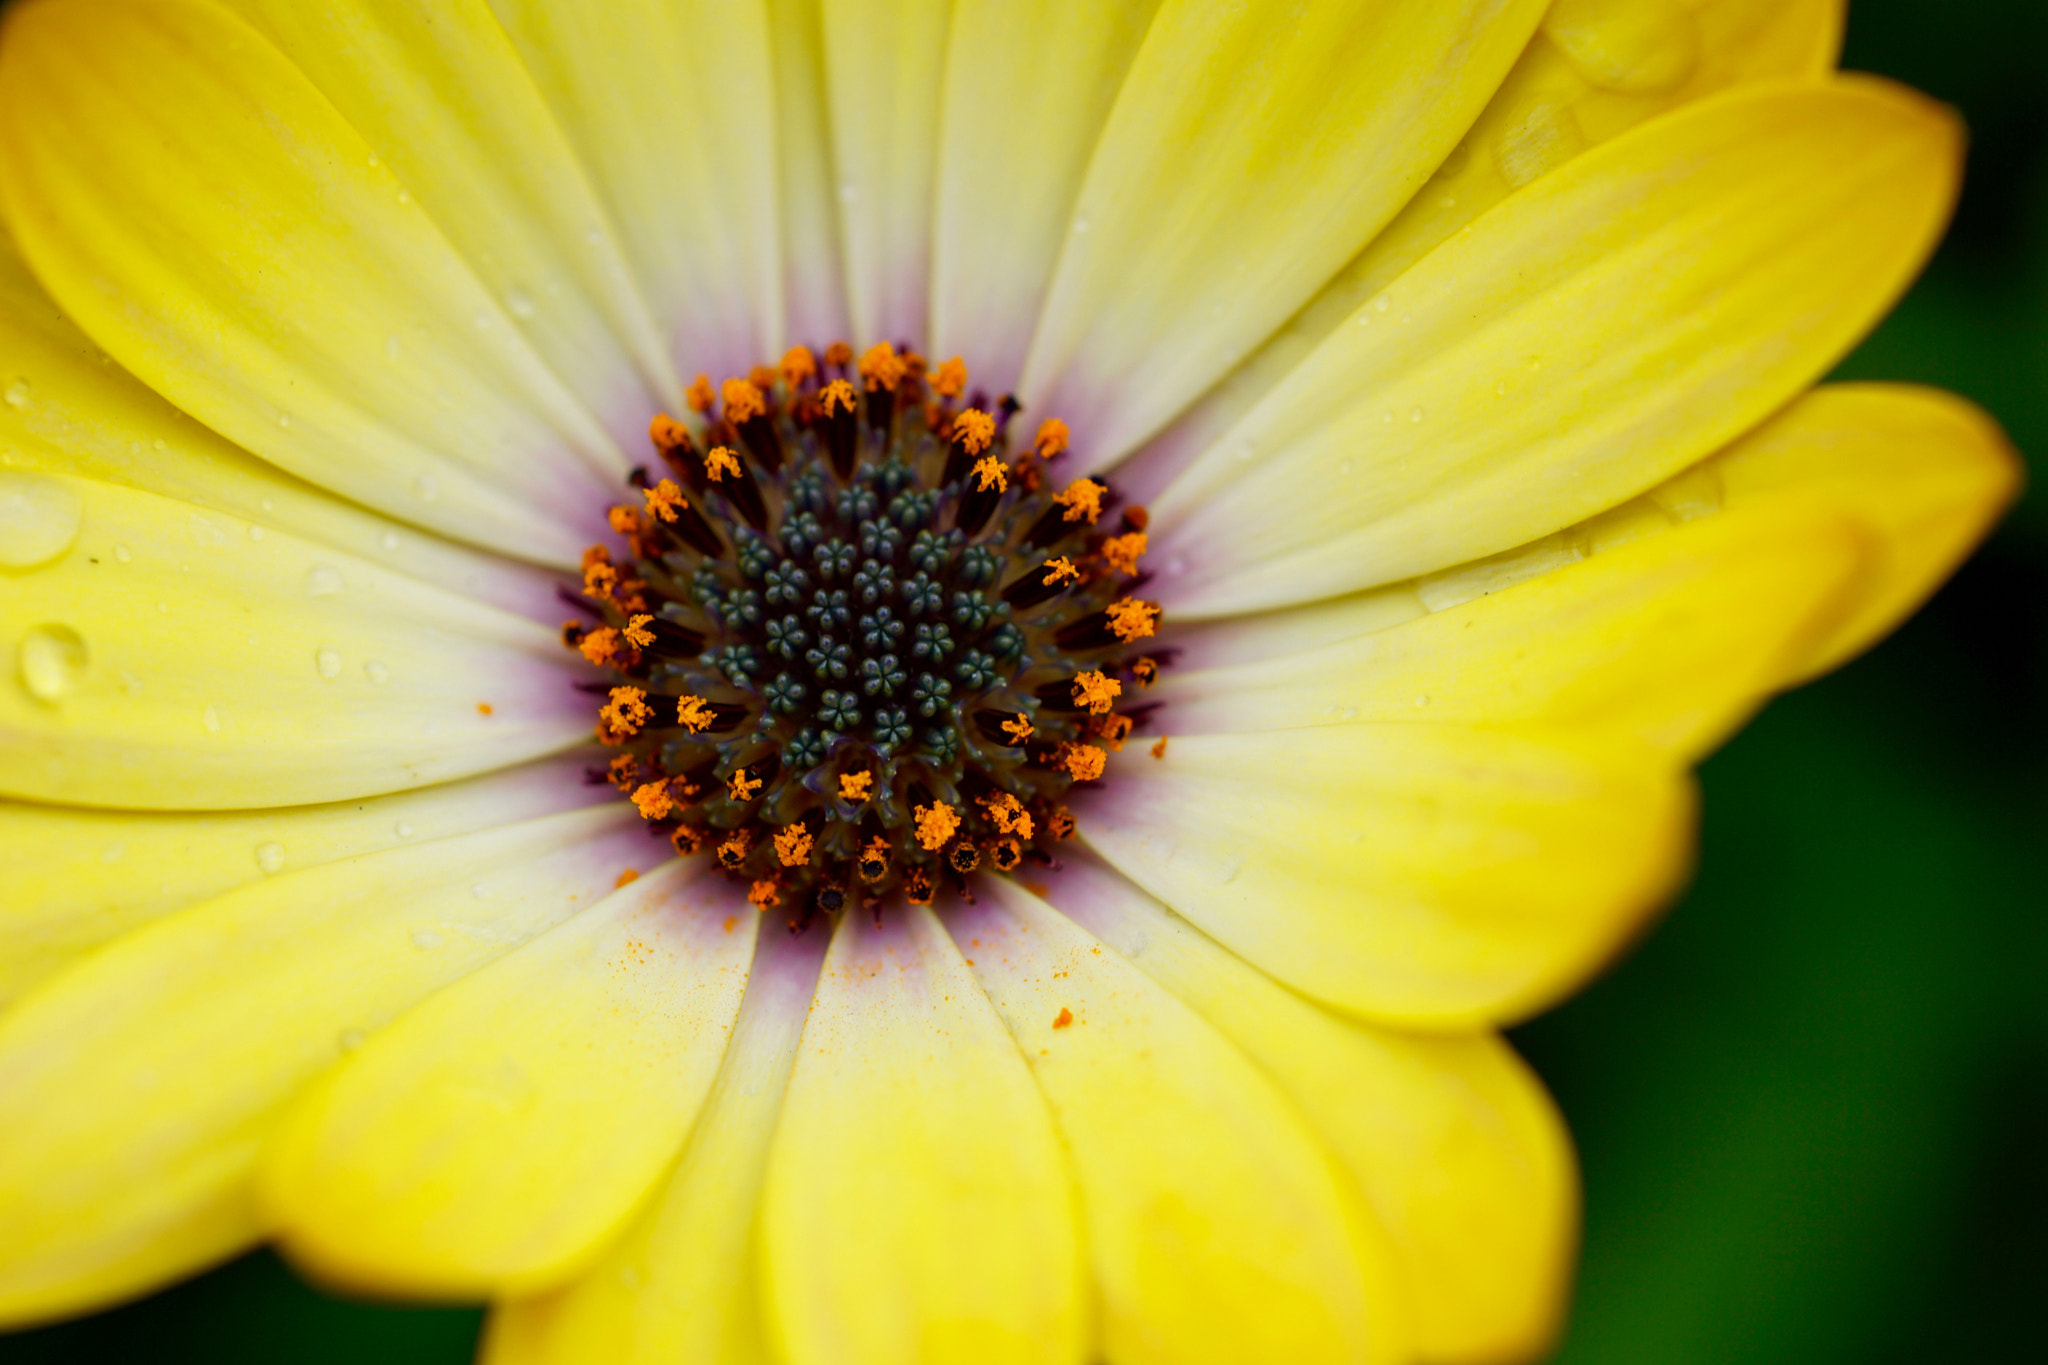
x=1614 y=322
x=493 y=1137
x=139 y=1085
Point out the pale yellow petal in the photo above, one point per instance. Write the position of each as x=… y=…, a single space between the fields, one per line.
x=814 y=280
x=208 y=217
x=1249 y=155
x=1434 y=875
x=1671 y=638
x=917 y=1205
x=70 y=411
x=885 y=64
x=1617 y=320
x=1925 y=473
x=166 y=658
x=670 y=104
x=1459 y=1152
x=139 y=1085
x=1218 y=1228
x=441 y=97
x=681 y=1284
x=1600 y=68
x=490 y=1140
x=79 y=878
x=1028 y=88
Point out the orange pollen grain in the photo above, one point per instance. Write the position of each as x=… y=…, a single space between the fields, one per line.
x=1159 y=749
x=1083 y=500
x=1121 y=552
x=1084 y=762
x=701 y=394
x=764 y=894
x=936 y=824
x=882 y=368
x=693 y=713
x=637 y=633
x=1060 y=570
x=1097 y=691
x=664 y=498
x=1052 y=438
x=1064 y=1019
x=627 y=878
x=666 y=432
x=856 y=786
x=950 y=379
x=721 y=462
x=991 y=472
x=974 y=430
x=653 y=800
x=1019 y=729
x=743 y=787
x=793 y=846
x=743 y=402
x=798 y=365
x=1131 y=619
x=838 y=394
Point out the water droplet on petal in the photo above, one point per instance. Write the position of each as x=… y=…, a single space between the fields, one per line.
x=112 y=853
x=351 y=1038
x=256 y=533
x=284 y=419
x=210 y=718
x=482 y=891
x=328 y=660
x=389 y=540
x=392 y=347
x=1625 y=45
x=53 y=661
x=426 y=488
x=208 y=532
x=17 y=394
x=270 y=857
x=123 y=554
x=377 y=672
x=322 y=581
x=1416 y=415
x=424 y=939
x=520 y=303
x=403 y=829
x=39 y=518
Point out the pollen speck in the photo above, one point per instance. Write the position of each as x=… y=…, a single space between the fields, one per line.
x=1065 y=1018
x=483 y=708
x=627 y=878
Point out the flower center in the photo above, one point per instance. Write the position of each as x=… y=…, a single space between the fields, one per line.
x=859 y=646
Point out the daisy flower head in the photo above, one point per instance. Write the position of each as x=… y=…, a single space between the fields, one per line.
x=1139 y=579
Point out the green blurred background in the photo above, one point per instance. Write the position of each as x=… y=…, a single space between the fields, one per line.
x=1813 y=1106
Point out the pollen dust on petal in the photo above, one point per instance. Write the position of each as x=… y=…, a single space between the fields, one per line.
x=627 y=878
x=1063 y=1019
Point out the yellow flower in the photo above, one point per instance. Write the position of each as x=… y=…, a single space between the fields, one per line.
x=1458 y=355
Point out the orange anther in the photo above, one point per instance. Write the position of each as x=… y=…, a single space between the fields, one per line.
x=733 y=851
x=989 y=472
x=1019 y=729
x=721 y=462
x=637 y=634
x=950 y=379
x=1083 y=500
x=664 y=498
x=743 y=402
x=839 y=353
x=693 y=713
x=627 y=710
x=600 y=646
x=624 y=520
x=667 y=433
x=1060 y=570
x=600 y=580
x=1146 y=671
x=882 y=368
x=742 y=786
x=1007 y=814
x=798 y=365
x=974 y=430
x=936 y=824
x=1051 y=440
x=1131 y=619
x=1097 y=691
x=856 y=786
x=700 y=394
x=1083 y=762
x=1121 y=552
x=793 y=845
x=838 y=394
x=764 y=894
x=653 y=800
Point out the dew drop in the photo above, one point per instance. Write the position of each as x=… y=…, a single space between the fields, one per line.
x=123 y=554
x=270 y=857
x=392 y=347
x=211 y=720
x=1635 y=49
x=404 y=197
x=1347 y=713
x=284 y=419
x=256 y=533
x=351 y=1039
x=1415 y=415
x=39 y=518
x=1382 y=304
x=53 y=660
x=322 y=581
x=268 y=505
x=426 y=488
x=424 y=939
x=112 y=853
x=377 y=672
x=482 y=891
x=160 y=445
x=17 y=394
x=328 y=660
x=1422 y=700
x=389 y=540
x=520 y=303
x=130 y=684
x=403 y=829
x=1080 y=225
x=208 y=532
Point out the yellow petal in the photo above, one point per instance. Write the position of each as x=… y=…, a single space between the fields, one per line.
x=70 y=412
x=1614 y=322
x=814 y=280
x=1925 y=473
x=491 y=1138
x=1434 y=875
x=1454 y=1144
x=208 y=217
x=680 y=1284
x=1670 y=638
x=1218 y=1229
x=1028 y=89
x=1248 y=156
x=139 y=1085
x=670 y=106
x=79 y=878
x=884 y=67
x=169 y=658
x=1562 y=97
x=443 y=100
x=917 y=1205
